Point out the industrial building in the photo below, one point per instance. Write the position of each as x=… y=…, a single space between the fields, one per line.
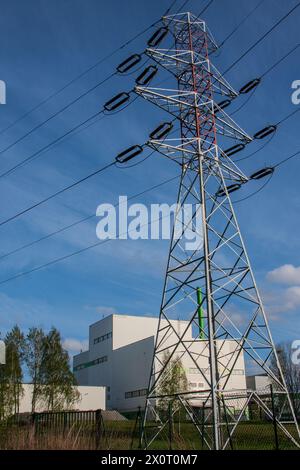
x=260 y=382
x=120 y=355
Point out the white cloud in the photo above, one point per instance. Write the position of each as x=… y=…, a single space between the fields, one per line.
x=74 y=345
x=282 y=301
x=287 y=299
x=286 y=274
x=292 y=295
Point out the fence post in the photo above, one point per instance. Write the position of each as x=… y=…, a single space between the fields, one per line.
x=98 y=428
x=203 y=424
x=65 y=416
x=274 y=418
x=227 y=423
x=140 y=427
x=33 y=423
x=170 y=425
x=137 y=428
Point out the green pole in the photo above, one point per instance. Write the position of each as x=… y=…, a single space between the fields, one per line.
x=200 y=313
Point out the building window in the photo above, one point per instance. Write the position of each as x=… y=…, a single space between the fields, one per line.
x=196 y=385
x=99 y=360
x=99 y=339
x=195 y=370
x=192 y=384
x=238 y=372
x=95 y=362
x=136 y=393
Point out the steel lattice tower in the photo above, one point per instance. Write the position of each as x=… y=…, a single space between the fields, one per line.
x=214 y=280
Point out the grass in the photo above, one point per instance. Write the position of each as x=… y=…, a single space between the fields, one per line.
x=118 y=436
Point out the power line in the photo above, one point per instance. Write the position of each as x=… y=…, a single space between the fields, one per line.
x=98 y=171
x=71 y=131
x=241 y=23
x=84 y=94
x=269 y=179
x=205 y=8
x=283 y=18
x=77 y=252
x=258 y=150
x=66 y=188
x=15 y=216
x=137 y=163
x=287 y=159
x=71 y=103
x=269 y=70
x=49 y=145
x=279 y=61
x=182 y=6
x=57 y=193
x=170 y=7
x=57 y=113
x=244 y=103
x=65 y=257
x=80 y=221
x=287 y=117
x=271 y=136
x=82 y=74
x=255 y=192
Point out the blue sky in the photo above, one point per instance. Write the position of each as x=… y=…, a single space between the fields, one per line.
x=44 y=45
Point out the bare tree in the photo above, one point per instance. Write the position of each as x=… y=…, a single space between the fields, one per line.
x=34 y=354
x=173 y=378
x=56 y=378
x=291 y=373
x=11 y=374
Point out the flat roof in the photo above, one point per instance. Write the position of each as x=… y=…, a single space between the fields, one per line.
x=145 y=317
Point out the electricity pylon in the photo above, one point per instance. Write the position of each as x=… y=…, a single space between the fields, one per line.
x=211 y=286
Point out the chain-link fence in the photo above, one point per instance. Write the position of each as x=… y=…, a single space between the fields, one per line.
x=249 y=420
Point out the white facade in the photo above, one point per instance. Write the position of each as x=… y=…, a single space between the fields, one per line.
x=258 y=382
x=90 y=398
x=120 y=356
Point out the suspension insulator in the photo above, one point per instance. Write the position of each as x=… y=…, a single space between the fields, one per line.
x=147 y=75
x=161 y=131
x=235 y=149
x=129 y=63
x=262 y=173
x=116 y=101
x=250 y=86
x=265 y=132
x=129 y=153
x=230 y=189
x=157 y=37
x=224 y=104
